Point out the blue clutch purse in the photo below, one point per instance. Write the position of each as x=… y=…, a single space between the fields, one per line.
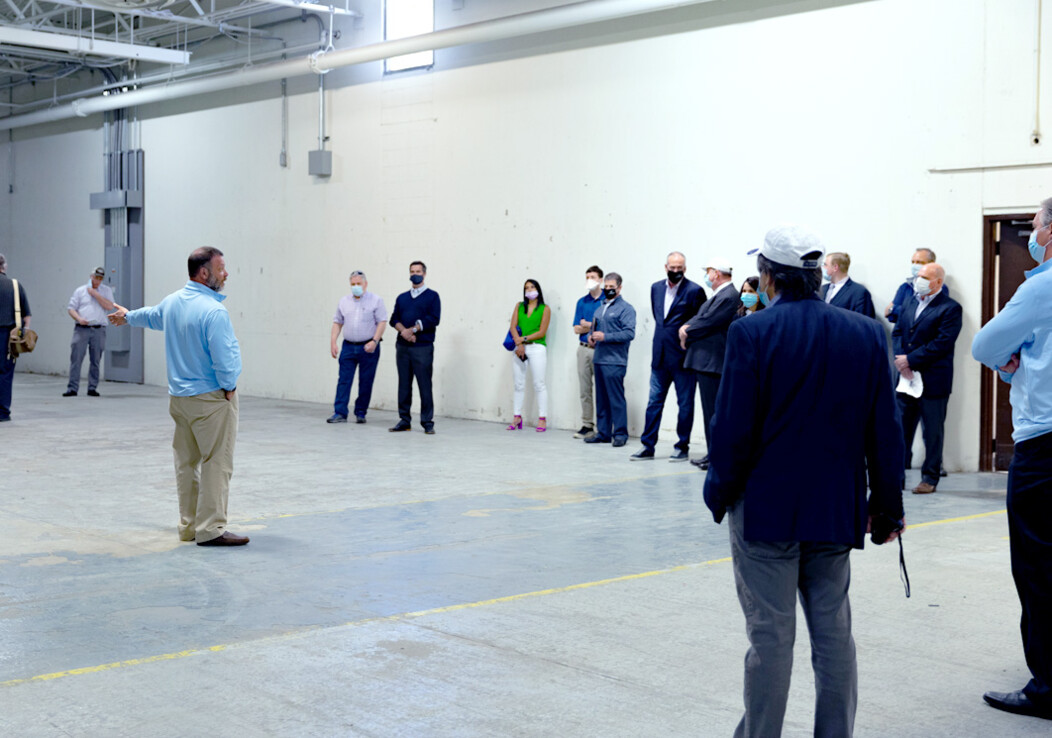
x=509 y=342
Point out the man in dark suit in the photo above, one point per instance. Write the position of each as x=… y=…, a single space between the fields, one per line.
x=673 y=301
x=800 y=422
x=842 y=291
x=923 y=341
x=705 y=338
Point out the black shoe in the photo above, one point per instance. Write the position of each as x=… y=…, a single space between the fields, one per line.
x=429 y=430
x=69 y=393
x=584 y=432
x=336 y=418
x=1018 y=703
x=5 y=419
x=93 y=393
x=359 y=419
x=679 y=455
x=643 y=453
x=942 y=472
x=227 y=539
x=596 y=438
x=619 y=442
x=702 y=464
x=402 y=426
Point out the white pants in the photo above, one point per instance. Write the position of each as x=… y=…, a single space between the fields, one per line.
x=537 y=361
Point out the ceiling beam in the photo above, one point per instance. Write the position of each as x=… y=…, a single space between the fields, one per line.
x=94 y=47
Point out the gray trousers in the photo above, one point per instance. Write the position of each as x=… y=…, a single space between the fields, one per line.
x=769 y=577
x=92 y=341
x=586 y=383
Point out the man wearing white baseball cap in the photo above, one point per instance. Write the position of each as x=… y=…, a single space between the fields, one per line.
x=705 y=338
x=800 y=422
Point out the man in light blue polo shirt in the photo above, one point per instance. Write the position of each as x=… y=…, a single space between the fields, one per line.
x=204 y=363
x=1017 y=343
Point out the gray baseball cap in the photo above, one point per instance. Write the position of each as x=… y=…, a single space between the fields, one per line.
x=792 y=246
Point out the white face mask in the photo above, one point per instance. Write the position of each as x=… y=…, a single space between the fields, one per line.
x=921 y=286
x=591 y=284
x=915 y=270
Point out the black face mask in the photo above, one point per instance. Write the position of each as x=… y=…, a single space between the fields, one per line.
x=416 y=278
x=610 y=292
x=675 y=277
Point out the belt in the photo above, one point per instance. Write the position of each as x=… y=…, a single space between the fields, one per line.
x=357 y=343
x=90 y=326
x=585 y=345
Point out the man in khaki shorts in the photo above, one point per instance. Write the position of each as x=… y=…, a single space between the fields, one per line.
x=204 y=363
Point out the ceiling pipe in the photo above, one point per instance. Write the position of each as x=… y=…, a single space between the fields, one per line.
x=539 y=21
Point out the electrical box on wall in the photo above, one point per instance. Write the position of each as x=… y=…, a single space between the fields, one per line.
x=319 y=163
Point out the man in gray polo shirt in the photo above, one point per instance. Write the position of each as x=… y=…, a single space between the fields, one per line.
x=88 y=307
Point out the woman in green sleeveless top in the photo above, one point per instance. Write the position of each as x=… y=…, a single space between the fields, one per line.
x=529 y=324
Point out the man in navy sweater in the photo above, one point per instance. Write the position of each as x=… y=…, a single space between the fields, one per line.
x=415 y=317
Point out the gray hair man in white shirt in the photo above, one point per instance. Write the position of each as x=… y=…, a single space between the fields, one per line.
x=88 y=307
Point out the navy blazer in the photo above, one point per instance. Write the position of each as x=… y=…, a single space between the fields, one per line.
x=928 y=341
x=707 y=331
x=806 y=409
x=852 y=296
x=666 y=352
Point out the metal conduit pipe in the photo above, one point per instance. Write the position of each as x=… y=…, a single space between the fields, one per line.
x=539 y=21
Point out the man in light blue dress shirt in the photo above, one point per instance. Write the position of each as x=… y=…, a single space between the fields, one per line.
x=204 y=363
x=1017 y=343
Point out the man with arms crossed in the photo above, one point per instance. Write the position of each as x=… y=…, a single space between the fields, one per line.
x=800 y=422
x=204 y=363
x=1018 y=344
x=582 y=326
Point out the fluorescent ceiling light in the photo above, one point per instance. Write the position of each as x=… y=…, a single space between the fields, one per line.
x=89 y=46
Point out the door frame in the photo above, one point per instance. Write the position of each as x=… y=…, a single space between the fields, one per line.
x=987 y=411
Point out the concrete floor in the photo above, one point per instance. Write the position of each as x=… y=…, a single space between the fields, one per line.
x=472 y=583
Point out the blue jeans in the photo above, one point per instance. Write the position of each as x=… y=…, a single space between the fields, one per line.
x=7 y=376
x=660 y=381
x=611 y=412
x=353 y=357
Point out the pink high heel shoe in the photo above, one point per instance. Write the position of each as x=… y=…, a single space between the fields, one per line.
x=516 y=424
x=541 y=429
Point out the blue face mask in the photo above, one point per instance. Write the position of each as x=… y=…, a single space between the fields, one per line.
x=749 y=299
x=416 y=278
x=1037 y=251
x=708 y=282
x=764 y=299
x=825 y=276
x=357 y=290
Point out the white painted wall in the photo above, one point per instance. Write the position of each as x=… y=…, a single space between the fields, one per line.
x=539 y=166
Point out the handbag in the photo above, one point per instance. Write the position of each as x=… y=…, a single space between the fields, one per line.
x=509 y=342
x=22 y=340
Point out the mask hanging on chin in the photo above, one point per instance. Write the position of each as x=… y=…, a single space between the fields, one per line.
x=1037 y=251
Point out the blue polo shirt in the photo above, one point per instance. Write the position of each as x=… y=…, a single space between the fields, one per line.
x=586 y=308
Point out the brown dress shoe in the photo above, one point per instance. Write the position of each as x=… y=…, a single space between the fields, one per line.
x=923 y=489
x=227 y=539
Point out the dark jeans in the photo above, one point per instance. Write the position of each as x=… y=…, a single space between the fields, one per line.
x=1030 y=540
x=708 y=387
x=611 y=412
x=660 y=381
x=770 y=577
x=7 y=375
x=931 y=413
x=415 y=361
x=353 y=357
x=86 y=340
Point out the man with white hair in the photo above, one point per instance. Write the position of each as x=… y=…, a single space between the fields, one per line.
x=705 y=338
x=800 y=423
x=361 y=319
x=1018 y=344
x=8 y=321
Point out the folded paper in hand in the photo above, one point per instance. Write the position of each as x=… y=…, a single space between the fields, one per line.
x=912 y=387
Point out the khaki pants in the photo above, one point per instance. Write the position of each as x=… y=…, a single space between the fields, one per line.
x=205 y=433
x=585 y=379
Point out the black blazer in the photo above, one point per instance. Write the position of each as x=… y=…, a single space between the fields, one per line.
x=666 y=353
x=928 y=343
x=800 y=461
x=707 y=331
x=852 y=296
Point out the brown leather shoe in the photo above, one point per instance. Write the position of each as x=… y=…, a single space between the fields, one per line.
x=923 y=489
x=227 y=539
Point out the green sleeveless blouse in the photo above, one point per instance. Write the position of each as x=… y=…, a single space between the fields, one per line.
x=531 y=323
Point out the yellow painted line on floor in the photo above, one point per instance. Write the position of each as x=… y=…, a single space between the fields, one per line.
x=412 y=615
x=954 y=520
